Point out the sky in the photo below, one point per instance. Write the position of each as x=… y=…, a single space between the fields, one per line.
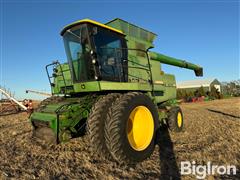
x=203 y=32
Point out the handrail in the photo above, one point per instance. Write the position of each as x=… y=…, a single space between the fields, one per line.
x=56 y=63
x=148 y=69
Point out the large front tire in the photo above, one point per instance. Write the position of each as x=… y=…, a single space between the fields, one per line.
x=96 y=122
x=130 y=128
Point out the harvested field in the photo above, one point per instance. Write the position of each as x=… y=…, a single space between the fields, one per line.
x=211 y=133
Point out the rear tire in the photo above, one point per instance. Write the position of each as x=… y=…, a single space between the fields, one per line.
x=130 y=128
x=96 y=122
x=175 y=119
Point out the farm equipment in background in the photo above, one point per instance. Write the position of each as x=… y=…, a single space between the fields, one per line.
x=113 y=87
x=9 y=105
x=198 y=94
x=38 y=92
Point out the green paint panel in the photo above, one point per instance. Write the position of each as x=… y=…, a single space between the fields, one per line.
x=43 y=116
x=132 y=30
x=105 y=85
x=87 y=86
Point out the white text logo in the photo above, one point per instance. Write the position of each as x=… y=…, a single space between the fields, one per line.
x=201 y=171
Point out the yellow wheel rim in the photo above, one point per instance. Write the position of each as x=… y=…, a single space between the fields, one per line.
x=179 y=119
x=140 y=128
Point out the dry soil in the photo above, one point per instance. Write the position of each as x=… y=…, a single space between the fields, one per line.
x=211 y=133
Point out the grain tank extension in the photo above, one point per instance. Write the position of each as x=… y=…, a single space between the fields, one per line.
x=112 y=86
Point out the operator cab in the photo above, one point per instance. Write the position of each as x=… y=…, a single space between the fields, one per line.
x=95 y=52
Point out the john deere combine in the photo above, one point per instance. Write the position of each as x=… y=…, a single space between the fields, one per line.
x=113 y=87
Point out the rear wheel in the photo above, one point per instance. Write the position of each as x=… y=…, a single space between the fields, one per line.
x=175 y=119
x=130 y=128
x=96 y=122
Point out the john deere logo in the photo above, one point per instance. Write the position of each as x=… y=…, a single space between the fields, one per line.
x=83 y=86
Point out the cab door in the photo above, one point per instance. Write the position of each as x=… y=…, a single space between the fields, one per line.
x=111 y=54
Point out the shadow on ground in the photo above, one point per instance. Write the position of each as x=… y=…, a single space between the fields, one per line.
x=168 y=164
x=223 y=113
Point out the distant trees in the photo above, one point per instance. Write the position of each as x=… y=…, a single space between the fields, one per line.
x=188 y=94
x=199 y=92
x=231 y=88
x=215 y=94
x=184 y=94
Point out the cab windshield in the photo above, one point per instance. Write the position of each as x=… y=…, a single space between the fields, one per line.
x=77 y=48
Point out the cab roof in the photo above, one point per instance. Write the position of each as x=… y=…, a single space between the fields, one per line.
x=91 y=22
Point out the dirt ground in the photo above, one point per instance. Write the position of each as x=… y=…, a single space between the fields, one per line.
x=211 y=133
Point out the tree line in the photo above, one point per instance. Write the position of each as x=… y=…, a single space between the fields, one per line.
x=231 y=88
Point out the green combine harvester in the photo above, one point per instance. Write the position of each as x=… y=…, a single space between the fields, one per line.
x=113 y=88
